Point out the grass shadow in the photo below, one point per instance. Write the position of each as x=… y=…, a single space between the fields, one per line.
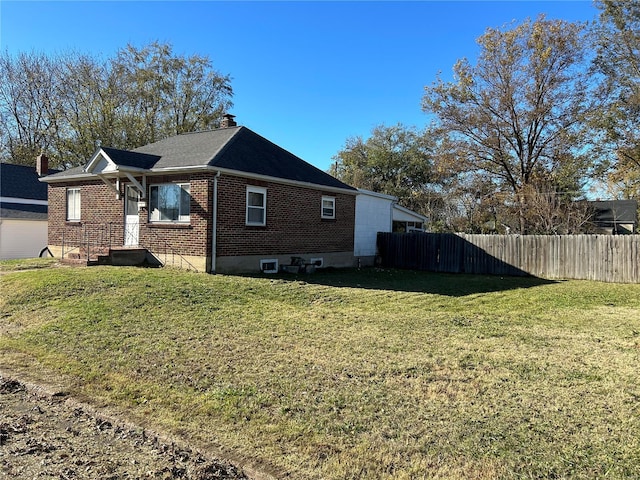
x=450 y=284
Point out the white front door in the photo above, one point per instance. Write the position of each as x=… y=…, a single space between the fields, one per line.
x=132 y=220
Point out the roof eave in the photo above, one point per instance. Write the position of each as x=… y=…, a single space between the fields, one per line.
x=285 y=181
x=69 y=178
x=377 y=194
x=92 y=176
x=410 y=212
x=255 y=176
x=202 y=168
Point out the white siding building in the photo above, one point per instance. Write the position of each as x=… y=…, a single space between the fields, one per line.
x=23 y=212
x=377 y=212
x=374 y=213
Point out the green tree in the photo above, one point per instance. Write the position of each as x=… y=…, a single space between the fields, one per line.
x=395 y=160
x=518 y=117
x=618 y=60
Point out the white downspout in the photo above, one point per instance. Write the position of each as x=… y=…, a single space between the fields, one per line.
x=214 y=232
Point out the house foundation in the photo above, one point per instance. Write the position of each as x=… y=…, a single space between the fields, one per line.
x=257 y=263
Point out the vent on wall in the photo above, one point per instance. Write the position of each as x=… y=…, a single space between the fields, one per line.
x=269 y=265
x=317 y=262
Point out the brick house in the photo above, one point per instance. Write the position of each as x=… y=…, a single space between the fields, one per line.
x=225 y=200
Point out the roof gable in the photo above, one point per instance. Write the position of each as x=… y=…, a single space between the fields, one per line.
x=108 y=160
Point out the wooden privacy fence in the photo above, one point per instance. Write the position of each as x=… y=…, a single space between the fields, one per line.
x=607 y=258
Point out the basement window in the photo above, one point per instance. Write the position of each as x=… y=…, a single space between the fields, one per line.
x=269 y=265
x=317 y=262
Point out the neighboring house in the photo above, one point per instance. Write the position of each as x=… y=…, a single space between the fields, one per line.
x=225 y=200
x=615 y=216
x=23 y=210
x=377 y=212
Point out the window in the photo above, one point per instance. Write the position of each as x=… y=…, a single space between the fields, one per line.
x=317 y=262
x=256 y=206
x=414 y=227
x=132 y=201
x=73 y=204
x=328 y=207
x=402 y=227
x=269 y=265
x=169 y=202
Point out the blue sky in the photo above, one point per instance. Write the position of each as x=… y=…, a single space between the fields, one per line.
x=306 y=75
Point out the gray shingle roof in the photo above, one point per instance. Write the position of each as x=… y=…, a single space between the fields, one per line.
x=239 y=149
x=615 y=211
x=21 y=181
x=234 y=148
x=189 y=149
x=74 y=171
x=23 y=211
x=131 y=159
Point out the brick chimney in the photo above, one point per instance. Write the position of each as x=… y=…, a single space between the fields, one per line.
x=42 y=165
x=228 y=121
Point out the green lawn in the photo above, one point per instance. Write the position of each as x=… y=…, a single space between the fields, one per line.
x=344 y=375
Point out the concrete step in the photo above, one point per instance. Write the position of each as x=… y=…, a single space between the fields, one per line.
x=127 y=256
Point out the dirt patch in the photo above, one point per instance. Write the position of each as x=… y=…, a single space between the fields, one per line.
x=47 y=437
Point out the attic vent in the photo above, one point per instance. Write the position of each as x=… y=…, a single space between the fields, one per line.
x=228 y=121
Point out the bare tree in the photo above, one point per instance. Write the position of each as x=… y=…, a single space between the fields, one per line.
x=29 y=106
x=68 y=104
x=520 y=113
x=168 y=94
x=618 y=61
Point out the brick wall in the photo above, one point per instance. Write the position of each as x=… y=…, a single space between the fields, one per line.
x=192 y=239
x=101 y=214
x=293 y=223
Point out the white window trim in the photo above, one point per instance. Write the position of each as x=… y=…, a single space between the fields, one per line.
x=333 y=202
x=260 y=190
x=182 y=219
x=73 y=214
